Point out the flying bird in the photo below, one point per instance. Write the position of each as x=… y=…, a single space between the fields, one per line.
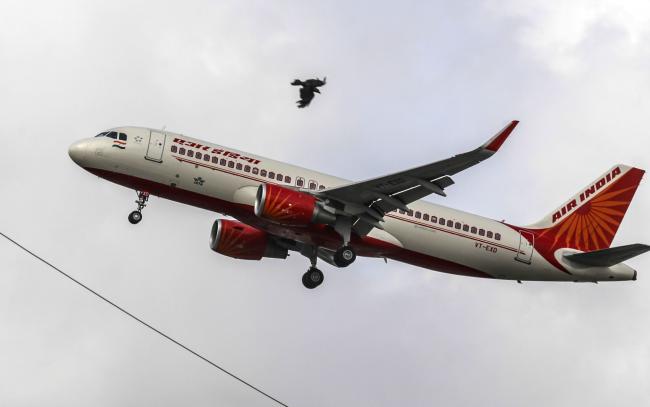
x=307 y=90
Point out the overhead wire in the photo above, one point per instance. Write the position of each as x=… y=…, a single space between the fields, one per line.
x=146 y=324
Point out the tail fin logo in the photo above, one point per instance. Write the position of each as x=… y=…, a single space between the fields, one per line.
x=573 y=204
x=591 y=219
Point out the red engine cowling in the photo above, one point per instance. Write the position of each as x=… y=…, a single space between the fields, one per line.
x=288 y=207
x=238 y=240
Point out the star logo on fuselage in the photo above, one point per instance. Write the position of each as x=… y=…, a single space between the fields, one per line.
x=138 y=139
x=199 y=181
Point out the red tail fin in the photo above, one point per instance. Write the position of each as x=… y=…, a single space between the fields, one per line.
x=590 y=219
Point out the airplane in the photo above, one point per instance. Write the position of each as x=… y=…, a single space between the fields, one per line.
x=273 y=208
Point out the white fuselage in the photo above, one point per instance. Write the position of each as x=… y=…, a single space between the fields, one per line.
x=463 y=243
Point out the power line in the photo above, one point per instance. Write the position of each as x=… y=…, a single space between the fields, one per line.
x=95 y=293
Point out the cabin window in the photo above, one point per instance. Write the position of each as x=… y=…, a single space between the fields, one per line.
x=174 y=149
x=239 y=166
x=271 y=174
x=287 y=179
x=457 y=225
x=222 y=162
x=450 y=223
x=198 y=155
x=465 y=228
x=425 y=216
x=231 y=164
x=122 y=136
x=473 y=229
x=481 y=232
x=402 y=212
x=442 y=221
x=279 y=177
x=256 y=170
x=418 y=214
x=190 y=153
x=497 y=236
x=206 y=157
x=313 y=184
x=215 y=159
x=263 y=173
x=489 y=234
x=181 y=151
x=300 y=182
x=434 y=219
x=247 y=168
x=322 y=187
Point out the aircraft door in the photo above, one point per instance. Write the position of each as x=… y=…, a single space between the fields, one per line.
x=156 y=146
x=526 y=244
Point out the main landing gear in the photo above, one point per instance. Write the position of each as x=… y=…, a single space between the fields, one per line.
x=136 y=216
x=313 y=277
x=344 y=256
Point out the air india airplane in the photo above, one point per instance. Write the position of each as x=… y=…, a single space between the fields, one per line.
x=278 y=207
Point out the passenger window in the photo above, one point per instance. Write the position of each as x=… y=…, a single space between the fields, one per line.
x=434 y=219
x=231 y=164
x=481 y=232
x=489 y=234
x=206 y=158
x=300 y=181
x=122 y=136
x=497 y=236
x=174 y=149
x=271 y=174
x=263 y=173
x=402 y=212
x=247 y=168
x=322 y=187
x=181 y=151
x=222 y=162
x=450 y=223
x=418 y=214
x=190 y=153
x=279 y=177
x=256 y=170
x=442 y=221
x=239 y=166
x=457 y=225
x=425 y=216
x=313 y=184
x=287 y=179
x=465 y=228
x=473 y=229
x=409 y=213
x=198 y=155
x=215 y=159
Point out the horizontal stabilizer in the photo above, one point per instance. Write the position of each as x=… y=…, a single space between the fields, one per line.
x=608 y=257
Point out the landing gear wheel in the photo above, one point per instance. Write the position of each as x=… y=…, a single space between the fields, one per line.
x=135 y=217
x=312 y=278
x=344 y=256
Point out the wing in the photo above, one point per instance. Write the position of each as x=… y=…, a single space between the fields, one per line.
x=306 y=95
x=369 y=200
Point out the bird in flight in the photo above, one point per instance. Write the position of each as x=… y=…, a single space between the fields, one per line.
x=307 y=90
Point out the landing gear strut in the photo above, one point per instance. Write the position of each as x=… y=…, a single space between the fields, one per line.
x=136 y=216
x=313 y=277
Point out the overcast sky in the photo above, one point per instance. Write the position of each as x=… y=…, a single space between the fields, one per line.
x=408 y=83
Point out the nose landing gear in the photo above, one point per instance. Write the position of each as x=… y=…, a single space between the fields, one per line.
x=136 y=216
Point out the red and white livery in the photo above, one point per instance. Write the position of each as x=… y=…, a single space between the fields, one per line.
x=280 y=208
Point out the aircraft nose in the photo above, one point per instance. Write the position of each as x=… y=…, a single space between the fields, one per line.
x=78 y=151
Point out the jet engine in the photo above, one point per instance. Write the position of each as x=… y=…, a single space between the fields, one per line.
x=235 y=239
x=289 y=207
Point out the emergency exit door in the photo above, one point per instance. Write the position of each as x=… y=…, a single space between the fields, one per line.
x=526 y=244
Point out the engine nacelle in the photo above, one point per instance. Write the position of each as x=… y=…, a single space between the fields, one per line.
x=235 y=239
x=288 y=207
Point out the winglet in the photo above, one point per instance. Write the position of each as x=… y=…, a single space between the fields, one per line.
x=495 y=142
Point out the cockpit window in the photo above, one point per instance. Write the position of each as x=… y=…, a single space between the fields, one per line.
x=122 y=136
x=112 y=134
x=102 y=134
